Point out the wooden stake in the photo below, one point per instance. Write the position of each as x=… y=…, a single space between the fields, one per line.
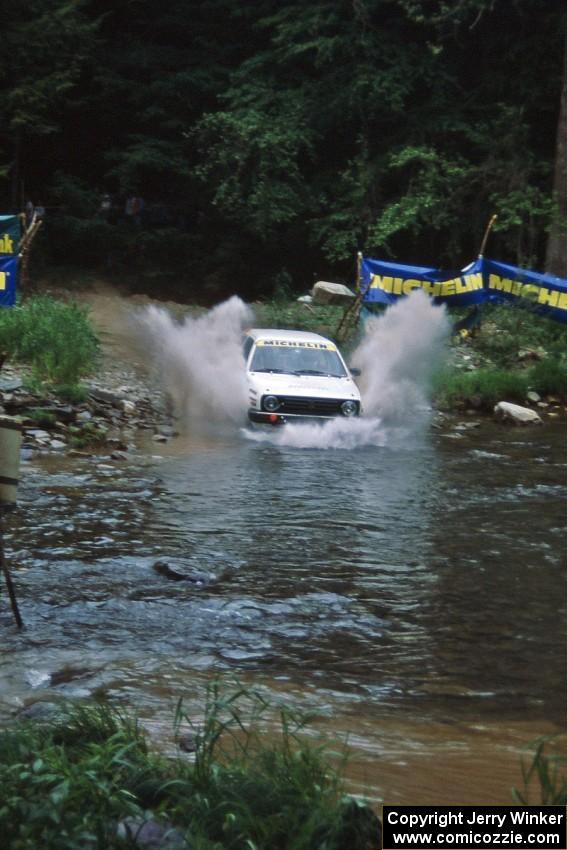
x=7 y=576
x=352 y=311
x=489 y=227
x=25 y=245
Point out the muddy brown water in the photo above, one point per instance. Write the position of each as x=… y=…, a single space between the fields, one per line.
x=413 y=597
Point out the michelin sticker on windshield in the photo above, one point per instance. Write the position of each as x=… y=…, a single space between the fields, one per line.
x=295 y=344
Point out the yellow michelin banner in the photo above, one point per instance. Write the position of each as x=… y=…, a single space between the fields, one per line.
x=9 y=248
x=484 y=280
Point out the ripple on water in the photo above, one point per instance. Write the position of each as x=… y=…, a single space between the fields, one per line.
x=385 y=578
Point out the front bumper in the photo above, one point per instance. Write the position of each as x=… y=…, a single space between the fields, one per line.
x=294 y=408
x=259 y=417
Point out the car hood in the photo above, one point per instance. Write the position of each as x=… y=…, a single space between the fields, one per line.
x=303 y=385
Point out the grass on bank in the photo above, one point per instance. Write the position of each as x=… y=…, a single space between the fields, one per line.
x=545 y=773
x=54 y=338
x=506 y=330
x=72 y=783
x=483 y=388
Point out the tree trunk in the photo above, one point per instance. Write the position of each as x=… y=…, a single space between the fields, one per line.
x=556 y=255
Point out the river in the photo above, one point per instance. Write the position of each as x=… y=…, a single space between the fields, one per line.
x=412 y=595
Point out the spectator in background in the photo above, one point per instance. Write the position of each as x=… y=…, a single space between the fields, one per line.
x=134 y=209
x=39 y=211
x=105 y=206
x=29 y=210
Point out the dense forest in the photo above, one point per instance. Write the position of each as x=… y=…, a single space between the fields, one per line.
x=271 y=140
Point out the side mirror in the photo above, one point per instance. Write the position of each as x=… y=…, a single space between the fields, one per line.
x=356 y=373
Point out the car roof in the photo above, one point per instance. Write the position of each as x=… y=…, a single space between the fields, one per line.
x=290 y=336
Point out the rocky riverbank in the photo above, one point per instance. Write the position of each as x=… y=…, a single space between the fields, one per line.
x=531 y=407
x=117 y=405
x=121 y=400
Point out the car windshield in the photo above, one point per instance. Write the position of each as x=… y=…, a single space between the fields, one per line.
x=298 y=359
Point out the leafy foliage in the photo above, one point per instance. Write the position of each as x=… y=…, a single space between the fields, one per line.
x=284 y=135
x=71 y=783
x=55 y=339
x=507 y=330
x=45 y=47
x=482 y=388
x=549 y=377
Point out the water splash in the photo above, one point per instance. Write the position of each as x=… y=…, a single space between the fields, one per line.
x=399 y=352
x=397 y=356
x=199 y=360
x=200 y=365
x=332 y=434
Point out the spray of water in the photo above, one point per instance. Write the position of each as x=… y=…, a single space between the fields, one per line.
x=397 y=356
x=199 y=361
x=333 y=434
x=200 y=365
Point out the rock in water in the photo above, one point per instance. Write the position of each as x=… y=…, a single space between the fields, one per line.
x=176 y=570
x=516 y=414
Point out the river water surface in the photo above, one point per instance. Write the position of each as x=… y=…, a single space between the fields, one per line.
x=413 y=594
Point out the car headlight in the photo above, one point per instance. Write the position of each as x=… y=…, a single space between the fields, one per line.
x=270 y=403
x=349 y=408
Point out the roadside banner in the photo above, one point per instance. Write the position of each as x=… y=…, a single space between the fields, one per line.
x=546 y=293
x=9 y=235
x=482 y=281
x=9 y=249
x=8 y=276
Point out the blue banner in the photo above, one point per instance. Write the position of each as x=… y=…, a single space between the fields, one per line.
x=9 y=235
x=9 y=249
x=483 y=280
x=8 y=274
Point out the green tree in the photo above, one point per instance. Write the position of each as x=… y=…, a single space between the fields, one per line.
x=556 y=256
x=44 y=48
x=390 y=125
x=279 y=136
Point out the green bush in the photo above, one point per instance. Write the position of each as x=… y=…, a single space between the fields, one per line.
x=87 y=435
x=507 y=329
x=68 y=784
x=482 y=389
x=45 y=418
x=498 y=345
x=54 y=338
x=549 y=377
x=73 y=393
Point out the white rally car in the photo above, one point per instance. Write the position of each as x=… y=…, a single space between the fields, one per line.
x=297 y=376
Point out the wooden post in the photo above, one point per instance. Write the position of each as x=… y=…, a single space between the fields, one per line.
x=7 y=576
x=25 y=244
x=358 y=270
x=352 y=312
x=489 y=227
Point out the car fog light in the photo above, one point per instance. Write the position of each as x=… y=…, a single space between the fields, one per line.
x=349 y=408
x=270 y=403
